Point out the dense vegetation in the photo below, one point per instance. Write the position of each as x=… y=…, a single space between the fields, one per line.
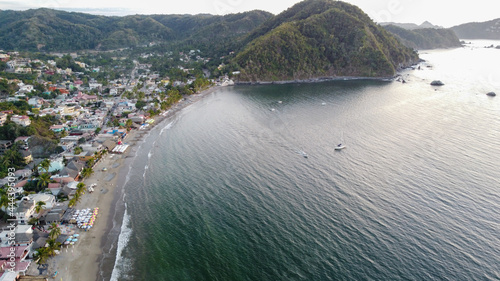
x=321 y=38
x=53 y=30
x=479 y=30
x=425 y=38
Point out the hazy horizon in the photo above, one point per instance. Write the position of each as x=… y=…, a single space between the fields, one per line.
x=400 y=11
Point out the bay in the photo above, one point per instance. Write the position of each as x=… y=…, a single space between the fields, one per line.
x=223 y=192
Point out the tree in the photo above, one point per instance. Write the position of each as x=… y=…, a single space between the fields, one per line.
x=80 y=188
x=72 y=202
x=87 y=172
x=55 y=231
x=91 y=162
x=129 y=123
x=77 y=150
x=45 y=165
x=41 y=256
x=33 y=221
x=38 y=206
x=52 y=247
x=43 y=180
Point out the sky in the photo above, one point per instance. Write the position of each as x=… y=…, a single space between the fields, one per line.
x=444 y=13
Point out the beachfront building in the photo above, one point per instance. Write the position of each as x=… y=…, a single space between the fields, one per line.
x=72 y=169
x=20 y=264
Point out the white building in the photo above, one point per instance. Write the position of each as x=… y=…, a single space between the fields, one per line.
x=22 y=120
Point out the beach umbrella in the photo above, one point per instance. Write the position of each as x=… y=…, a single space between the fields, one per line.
x=76 y=235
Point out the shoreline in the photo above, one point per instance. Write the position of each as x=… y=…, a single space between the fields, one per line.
x=93 y=257
x=111 y=235
x=316 y=80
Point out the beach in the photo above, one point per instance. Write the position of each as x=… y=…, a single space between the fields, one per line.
x=82 y=261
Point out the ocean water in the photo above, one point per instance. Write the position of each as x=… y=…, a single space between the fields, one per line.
x=222 y=190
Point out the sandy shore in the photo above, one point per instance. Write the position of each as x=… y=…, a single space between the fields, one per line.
x=81 y=261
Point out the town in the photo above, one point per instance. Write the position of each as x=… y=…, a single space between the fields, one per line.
x=61 y=115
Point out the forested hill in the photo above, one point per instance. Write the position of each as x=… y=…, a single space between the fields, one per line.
x=321 y=38
x=479 y=30
x=425 y=38
x=54 y=30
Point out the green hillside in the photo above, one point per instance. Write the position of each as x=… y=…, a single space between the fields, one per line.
x=53 y=30
x=479 y=30
x=425 y=38
x=321 y=38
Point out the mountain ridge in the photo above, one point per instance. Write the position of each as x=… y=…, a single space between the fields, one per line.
x=479 y=30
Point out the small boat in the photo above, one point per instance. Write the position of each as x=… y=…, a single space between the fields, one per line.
x=303 y=153
x=340 y=146
x=280 y=101
x=324 y=103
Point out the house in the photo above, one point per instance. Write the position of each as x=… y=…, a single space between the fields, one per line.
x=23 y=234
x=58 y=128
x=27 y=88
x=5 y=145
x=4 y=57
x=94 y=85
x=22 y=120
x=109 y=144
x=23 y=140
x=73 y=169
x=3 y=118
x=137 y=118
x=54 y=215
x=85 y=156
x=25 y=210
x=26 y=154
x=23 y=174
x=35 y=101
x=80 y=97
x=14 y=259
x=48 y=199
x=54 y=188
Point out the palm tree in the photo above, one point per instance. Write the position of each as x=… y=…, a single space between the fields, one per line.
x=72 y=202
x=80 y=188
x=55 y=231
x=52 y=247
x=87 y=172
x=41 y=255
x=33 y=221
x=43 y=180
x=45 y=165
x=76 y=198
x=91 y=162
x=39 y=205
